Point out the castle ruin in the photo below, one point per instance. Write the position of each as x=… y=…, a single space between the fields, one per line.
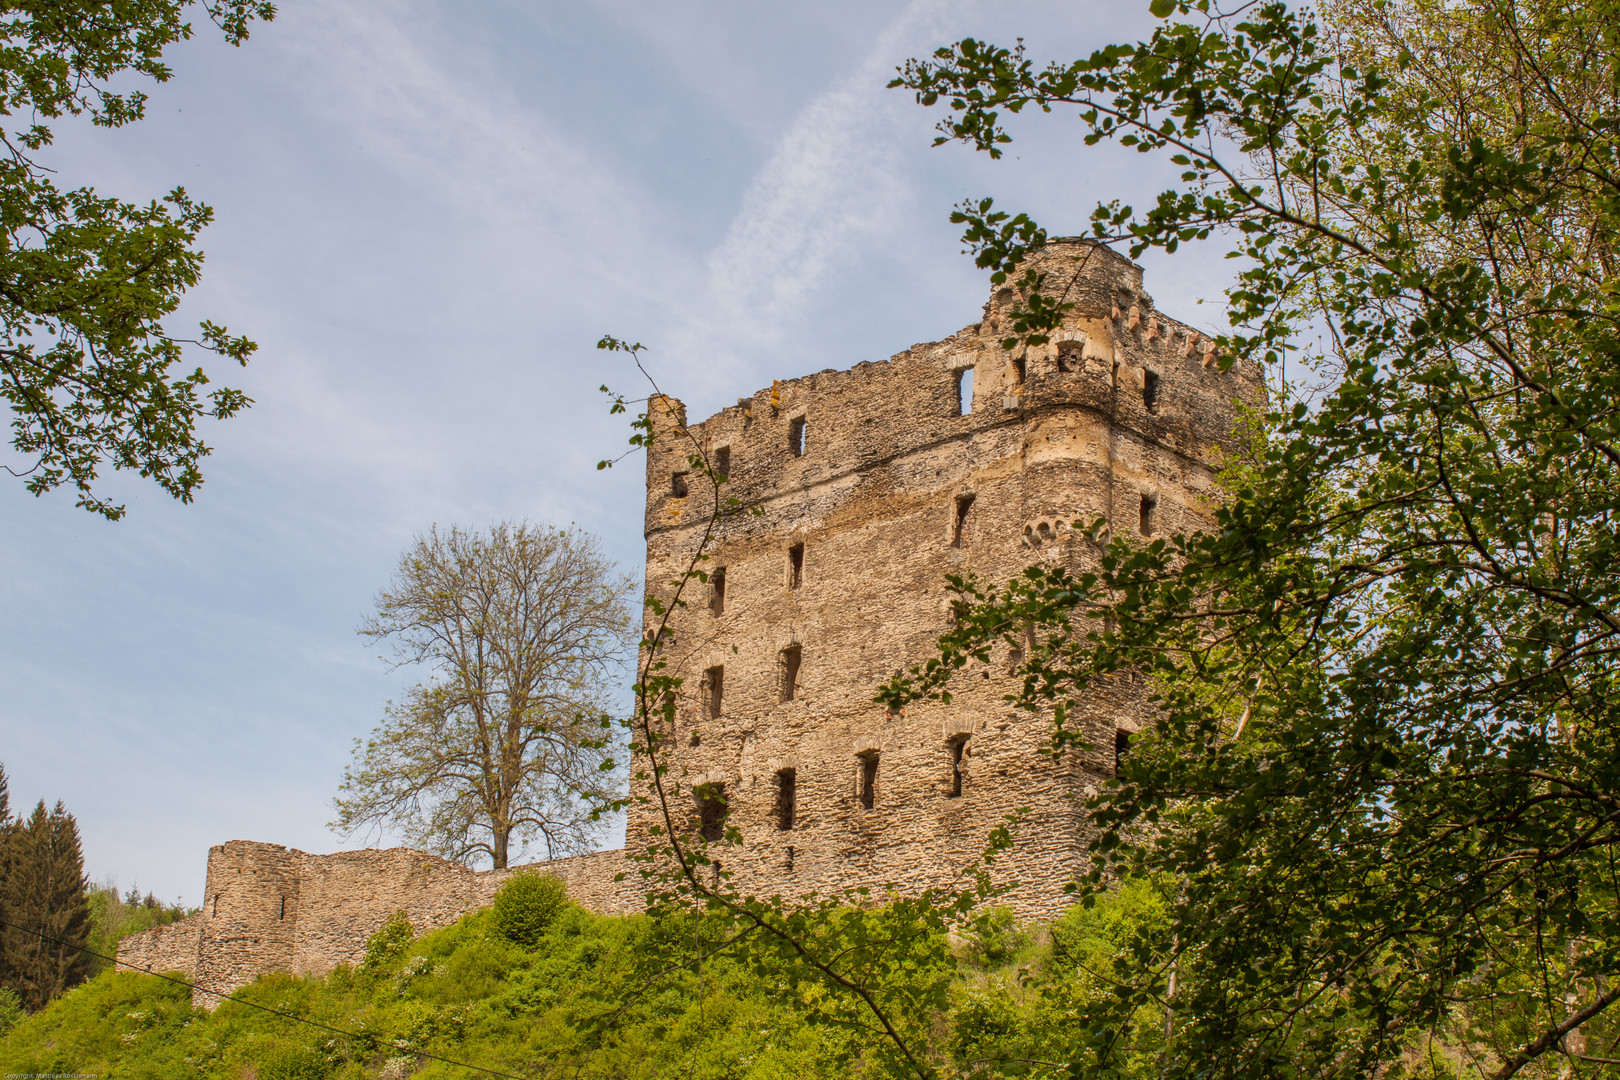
x=873 y=484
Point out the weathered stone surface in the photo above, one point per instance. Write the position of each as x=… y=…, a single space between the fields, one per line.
x=271 y=908
x=165 y=949
x=874 y=485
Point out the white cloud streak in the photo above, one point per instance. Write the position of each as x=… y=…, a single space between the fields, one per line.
x=834 y=187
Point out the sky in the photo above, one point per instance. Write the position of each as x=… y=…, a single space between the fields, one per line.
x=426 y=216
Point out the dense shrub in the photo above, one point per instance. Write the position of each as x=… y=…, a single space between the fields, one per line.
x=527 y=904
x=557 y=992
x=388 y=943
x=11 y=1009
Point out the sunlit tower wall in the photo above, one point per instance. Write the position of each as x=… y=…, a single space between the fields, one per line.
x=872 y=484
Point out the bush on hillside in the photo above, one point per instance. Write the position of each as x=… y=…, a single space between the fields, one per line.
x=388 y=943
x=11 y=1009
x=527 y=905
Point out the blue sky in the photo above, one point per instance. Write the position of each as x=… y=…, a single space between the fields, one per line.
x=427 y=213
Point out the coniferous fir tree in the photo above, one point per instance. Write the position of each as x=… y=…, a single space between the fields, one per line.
x=43 y=895
x=7 y=828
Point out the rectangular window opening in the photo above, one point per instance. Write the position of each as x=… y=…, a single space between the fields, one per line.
x=958 y=760
x=795 y=566
x=1018 y=369
x=788 y=667
x=283 y=913
x=677 y=485
x=216 y=903
x=711 y=800
x=1068 y=355
x=1122 y=746
x=787 y=796
x=962 y=530
x=717 y=590
x=1150 y=390
x=790 y=856
x=1149 y=504
x=964 y=391
x=714 y=686
x=796 y=436
x=722 y=461
x=869 y=767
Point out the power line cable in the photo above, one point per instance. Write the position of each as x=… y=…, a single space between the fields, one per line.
x=371 y=1039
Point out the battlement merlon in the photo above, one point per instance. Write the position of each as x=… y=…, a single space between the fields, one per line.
x=1117 y=358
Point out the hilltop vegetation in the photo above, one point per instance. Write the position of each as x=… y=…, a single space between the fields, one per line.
x=593 y=996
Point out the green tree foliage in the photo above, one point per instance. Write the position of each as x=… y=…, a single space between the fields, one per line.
x=43 y=890
x=11 y=1009
x=527 y=904
x=1386 y=774
x=526 y=629
x=90 y=372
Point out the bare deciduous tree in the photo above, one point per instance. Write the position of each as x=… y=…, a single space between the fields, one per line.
x=526 y=629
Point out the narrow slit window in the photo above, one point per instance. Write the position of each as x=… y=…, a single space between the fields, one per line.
x=964 y=391
x=790 y=856
x=722 y=461
x=216 y=903
x=714 y=687
x=958 y=762
x=795 y=566
x=1150 y=390
x=796 y=436
x=1122 y=746
x=787 y=797
x=962 y=529
x=717 y=590
x=1149 y=505
x=283 y=913
x=1018 y=369
x=711 y=799
x=788 y=667
x=869 y=767
x=677 y=485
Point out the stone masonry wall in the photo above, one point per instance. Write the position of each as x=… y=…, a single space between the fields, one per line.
x=171 y=948
x=875 y=483
x=270 y=908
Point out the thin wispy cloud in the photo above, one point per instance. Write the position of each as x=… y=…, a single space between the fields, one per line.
x=448 y=122
x=833 y=188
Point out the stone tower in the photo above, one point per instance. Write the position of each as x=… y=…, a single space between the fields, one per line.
x=875 y=483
